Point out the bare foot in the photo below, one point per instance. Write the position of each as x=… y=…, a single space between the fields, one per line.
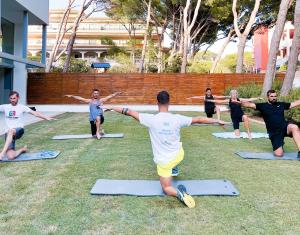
x=24 y=149
x=98 y=135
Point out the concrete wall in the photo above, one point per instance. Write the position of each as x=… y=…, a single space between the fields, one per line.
x=20 y=72
x=39 y=8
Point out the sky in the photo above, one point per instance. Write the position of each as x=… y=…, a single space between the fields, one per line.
x=231 y=48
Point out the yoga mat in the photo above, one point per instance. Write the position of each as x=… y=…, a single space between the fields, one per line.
x=86 y=136
x=212 y=124
x=231 y=135
x=153 y=188
x=34 y=156
x=267 y=156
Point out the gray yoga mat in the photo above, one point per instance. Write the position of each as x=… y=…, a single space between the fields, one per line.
x=231 y=135
x=34 y=156
x=267 y=156
x=211 y=124
x=86 y=136
x=153 y=187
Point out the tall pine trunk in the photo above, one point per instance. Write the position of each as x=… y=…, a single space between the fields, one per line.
x=294 y=53
x=271 y=66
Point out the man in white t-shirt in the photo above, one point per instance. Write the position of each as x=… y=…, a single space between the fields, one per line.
x=164 y=130
x=14 y=126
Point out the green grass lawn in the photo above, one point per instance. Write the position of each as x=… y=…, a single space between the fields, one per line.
x=52 y=196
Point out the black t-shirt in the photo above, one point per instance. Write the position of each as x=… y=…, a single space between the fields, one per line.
x=273 y=115
x=209 y=106
x=235 y=109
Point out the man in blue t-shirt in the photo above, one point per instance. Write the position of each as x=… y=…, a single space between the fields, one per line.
x=277 y=127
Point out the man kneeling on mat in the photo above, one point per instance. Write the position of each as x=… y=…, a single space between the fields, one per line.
x=15 y=127
x=164 y=130
x=277 y=127
x=96 y=112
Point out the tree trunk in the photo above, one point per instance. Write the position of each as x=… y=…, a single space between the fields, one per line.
x=243 y=36
x=221 y=51
x=271 y=66
x=141 y=68
x=294 y=53
x=187 y=28
x=59 y=36
x=240 y=54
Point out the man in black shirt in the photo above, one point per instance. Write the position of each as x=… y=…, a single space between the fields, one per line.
x=277 y=127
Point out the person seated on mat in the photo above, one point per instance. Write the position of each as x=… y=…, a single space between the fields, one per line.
x=96 y=112
x=14 y=126
x=209 y=107
x=277 y=127
x=164 y=131
x=236 y=113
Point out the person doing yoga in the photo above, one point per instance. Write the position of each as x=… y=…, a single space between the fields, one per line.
x=14 y=125
x=164 y=130
x=236 y=113
x=277 y=127
x=96 y=117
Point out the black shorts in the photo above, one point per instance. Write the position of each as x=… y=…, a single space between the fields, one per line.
x=277 y=139
x=93 y=125
x=210 y=112
x=236 y=122
x=18 y=135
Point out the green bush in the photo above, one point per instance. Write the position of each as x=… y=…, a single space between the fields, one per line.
x=253 y=90
x=292 y=114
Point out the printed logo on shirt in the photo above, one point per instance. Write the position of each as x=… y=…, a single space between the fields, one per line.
x=12 y=114
x=166 y=124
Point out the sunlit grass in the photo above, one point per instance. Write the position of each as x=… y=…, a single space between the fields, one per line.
x=52 y=196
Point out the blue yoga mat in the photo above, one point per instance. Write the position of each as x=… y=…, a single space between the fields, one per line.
x=34 y=156
x=231 y=135
x=153 y=188
x=267 y=156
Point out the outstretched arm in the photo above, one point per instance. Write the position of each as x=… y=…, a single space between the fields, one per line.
x=221 y=97
x=218 y=101
x=208 y=121
x=40 y=115
x=79 y=98
x=125 y=111
x=103 y=100
x=250 y=99
x=295 y=104
x=196 y=97
x=248 y=104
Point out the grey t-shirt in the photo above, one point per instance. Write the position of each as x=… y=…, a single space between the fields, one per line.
x=95 y=110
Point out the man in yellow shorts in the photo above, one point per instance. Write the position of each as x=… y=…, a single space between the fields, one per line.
x=164 y=130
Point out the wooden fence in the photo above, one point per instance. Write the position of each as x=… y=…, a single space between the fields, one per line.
x=50 y=88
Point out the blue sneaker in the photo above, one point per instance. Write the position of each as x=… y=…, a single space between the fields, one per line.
x=175 y=171
x=184 y=197
x=298 y=156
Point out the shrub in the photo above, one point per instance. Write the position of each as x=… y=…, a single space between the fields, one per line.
x=292 y=114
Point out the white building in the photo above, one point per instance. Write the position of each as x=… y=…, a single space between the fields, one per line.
x=15 y=17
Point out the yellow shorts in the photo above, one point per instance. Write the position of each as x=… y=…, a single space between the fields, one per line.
x=165 y=170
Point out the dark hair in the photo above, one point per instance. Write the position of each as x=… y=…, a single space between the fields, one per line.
x=163 y=97
x=270 y=91
x=95 y=90
x=207 y=89
x=13 y=93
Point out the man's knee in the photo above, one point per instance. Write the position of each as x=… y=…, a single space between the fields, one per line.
x=10 y=155
x=293 y=127
x=11 y=132
x=245 y=118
